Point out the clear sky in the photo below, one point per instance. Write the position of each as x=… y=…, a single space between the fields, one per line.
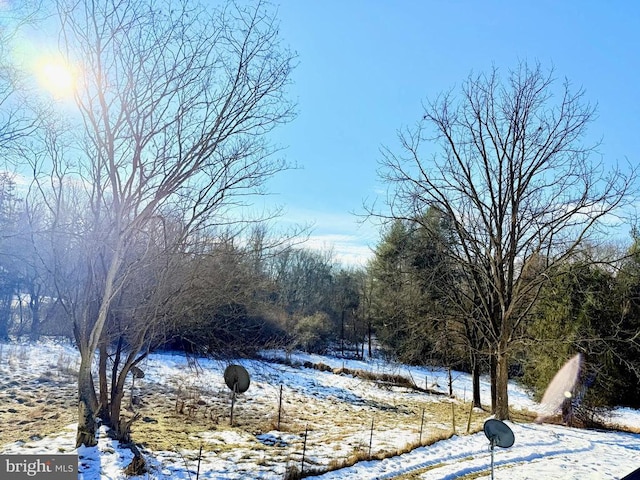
x=366 y=67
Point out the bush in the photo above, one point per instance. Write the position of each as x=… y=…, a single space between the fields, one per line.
x=313 y=333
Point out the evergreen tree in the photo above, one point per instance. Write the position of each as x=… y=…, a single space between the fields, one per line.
x=415 y=286
x=397 y=302
x=582 y=309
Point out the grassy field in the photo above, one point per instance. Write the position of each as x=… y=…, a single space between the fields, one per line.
x=335 y=417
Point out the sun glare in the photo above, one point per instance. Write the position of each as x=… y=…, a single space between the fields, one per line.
x=57 y=77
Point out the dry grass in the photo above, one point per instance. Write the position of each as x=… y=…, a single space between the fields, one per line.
x=378 y=377
x=182 y=417
x=361 y=454
x=472 y=476
x=33 y=404
x=416 y=474
x=67 y=366
x=33 y=412
x=331 y=423
x=389 y=378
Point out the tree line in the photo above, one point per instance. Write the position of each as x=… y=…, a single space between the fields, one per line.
x=220 y=295
x=589 y=304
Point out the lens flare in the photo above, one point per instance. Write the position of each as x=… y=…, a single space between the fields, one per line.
x=56 y=76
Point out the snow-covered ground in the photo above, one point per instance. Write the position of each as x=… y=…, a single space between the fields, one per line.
x=335 y=410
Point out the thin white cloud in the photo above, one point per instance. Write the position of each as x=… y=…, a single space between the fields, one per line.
x=348 y=250
x=345 y=235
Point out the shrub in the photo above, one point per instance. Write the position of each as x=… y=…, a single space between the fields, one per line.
x=312 y=333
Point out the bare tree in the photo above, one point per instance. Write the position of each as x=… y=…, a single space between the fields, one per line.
x=175 y=101
x=16 y=120
x=508 y=166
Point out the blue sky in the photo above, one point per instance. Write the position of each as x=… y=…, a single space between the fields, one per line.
x=366 y=67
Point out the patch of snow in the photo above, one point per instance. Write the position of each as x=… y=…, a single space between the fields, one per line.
x=540 y=451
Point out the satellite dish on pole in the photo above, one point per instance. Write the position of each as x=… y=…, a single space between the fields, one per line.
x=136 y=372
x=237 y=379
x=498 y=434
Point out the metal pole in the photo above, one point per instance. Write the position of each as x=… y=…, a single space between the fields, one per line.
x=421 y=427
x=233 y=401
x=453 y=417
x=199 y=458
x=371 y=437
x=492 y=447
x=280 y=408
x=304 y=448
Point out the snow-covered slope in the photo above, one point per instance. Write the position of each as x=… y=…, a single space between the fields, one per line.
x=336 y=411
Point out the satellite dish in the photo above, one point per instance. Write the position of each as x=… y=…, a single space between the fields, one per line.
x=137 y=372
x=236 y=378
x=635 y=475
x=498 y=433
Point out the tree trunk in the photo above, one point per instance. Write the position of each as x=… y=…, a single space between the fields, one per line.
x=475 y=377
x=114 y=412
x=87 y=403
x=342 y=334
x=355 y=333
x=502 y=383
x=120 y=426
x=494 y=380
x=103 y=408
x=34 y=305
x=88 y=342
x=5 y=317
x=115 y=367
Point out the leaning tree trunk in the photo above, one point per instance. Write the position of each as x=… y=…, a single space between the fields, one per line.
x=88 y=342
x=118 y=378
